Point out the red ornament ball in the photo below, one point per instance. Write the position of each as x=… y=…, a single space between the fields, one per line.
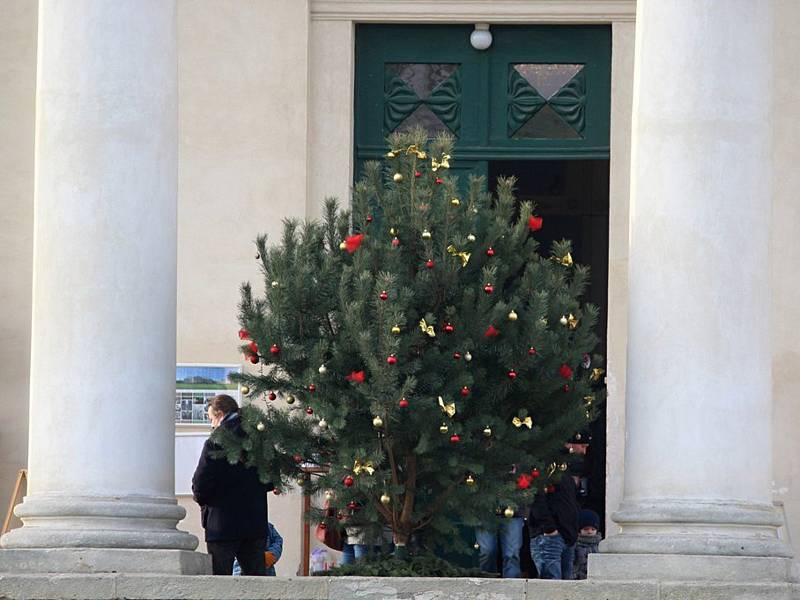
x=383 y=295
x=550 y=489
x=272 y=396
x=276 y=491
x=524 y=481
x=488 y=288
x=348 y=481
x=439 y=181
x=297 y=458
x=430 y=264
x=352 y=505
x=531 y=351
x=455 y=438
x=457 y=355
x=565 y=371
x=244 y=334
x=490 y=251
x=253 y=347
x=565 y=388
x=395 y=242
x=449 y=328
x=322 y=526
x=391 y=359
x=369 y=218
x=254 y=359
x=309 y=411
x=417 y=174
x=403 y=403
x=512 y=374
x=312 y=388
x=275 y=349
x=465 y=391
x=535 y=473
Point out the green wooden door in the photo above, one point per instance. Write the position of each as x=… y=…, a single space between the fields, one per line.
x=539 y=92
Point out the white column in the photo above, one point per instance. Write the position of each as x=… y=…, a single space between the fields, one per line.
x=698 y=446
x=101 y=441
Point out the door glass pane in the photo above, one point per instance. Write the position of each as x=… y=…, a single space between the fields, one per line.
x=422 y=94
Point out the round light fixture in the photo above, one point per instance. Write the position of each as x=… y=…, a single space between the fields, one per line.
x=481 y=37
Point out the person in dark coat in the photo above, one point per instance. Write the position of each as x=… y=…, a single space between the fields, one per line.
x=232 y=499
x=553 y=528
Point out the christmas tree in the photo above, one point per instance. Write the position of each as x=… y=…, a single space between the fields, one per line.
x=430 y=355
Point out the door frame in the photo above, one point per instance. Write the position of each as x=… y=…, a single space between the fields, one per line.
x=331 y=76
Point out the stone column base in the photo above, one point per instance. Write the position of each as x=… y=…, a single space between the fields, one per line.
x=104 y=560
x=682 y=567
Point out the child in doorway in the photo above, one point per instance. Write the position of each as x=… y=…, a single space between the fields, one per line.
x=272 y=553
x=588 y=540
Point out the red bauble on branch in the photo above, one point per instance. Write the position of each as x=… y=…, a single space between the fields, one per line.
x=391 y=359
x=534 y=223
x=430 y=264
x=449 y=328
x=465 y=391
x=488 y=288
x=455 y=438
x=403 y=403
x=355 y=376
x=254 y=359
x=274 y=349
x=384 y=295
x=457 y=355
x=531 y=351
x=348 y=481
x=491 y=332
x=512 y=374
x=535 y=473
x=565 y=371
x=524 y=481
x=309 y=411
x=244 y=334
x=352 y=242
x=490 y=252
x=272 y=395
x=253 y=347
x=312 y=388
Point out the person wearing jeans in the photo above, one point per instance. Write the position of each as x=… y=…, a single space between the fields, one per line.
x=553 y=528
x=510 y=534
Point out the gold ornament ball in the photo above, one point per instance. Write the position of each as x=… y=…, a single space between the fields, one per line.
x=426 y=235
x=467 y=357
x=476 y=545
x=385 y=499
x=487 y=431
x=396 y=330
x=323 y=424
x=563 y=320
x=398 y=177
x=322 y=369
x=275 y=284
x=512 y=316
x=377 y=422
x=443 y=428
x=342 y=246
x=508 y=513
x=470 y=480
x=470 y=238
x=245 y=390
x=300 y=481
x=289 y=399
x=563 y=466
x=455 y=201
x=328 y=495
x=261 y=426
x=391 y=154
x=392 y=231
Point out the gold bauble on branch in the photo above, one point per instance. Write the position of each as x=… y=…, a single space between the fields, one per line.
x=512 y=316
x=476 y=545
x=290 y=399
x=342 y=246
x=487 y=431
x=245 y=390
x=377 y=422
x=323 y=424
x=426 y=235
x=261 y=426
x=470 y=480
x=329 y=495
x=397 y=177
x=385 y=499
x=455 y=201
x=322 y=369
x=275 y=284
x=467 y=356
x=443 y=428
x=508 y=513
x=470 y=238
x=396 y=330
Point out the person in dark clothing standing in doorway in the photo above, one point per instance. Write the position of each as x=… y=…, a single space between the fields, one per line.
x=553 y=528
x=232 y=499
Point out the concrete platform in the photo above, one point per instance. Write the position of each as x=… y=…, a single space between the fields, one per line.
x=164 y=587
x=103 y=560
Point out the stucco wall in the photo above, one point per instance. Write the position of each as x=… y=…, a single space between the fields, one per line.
x=17 y=113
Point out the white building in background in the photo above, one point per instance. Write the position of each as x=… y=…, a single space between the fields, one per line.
x=250 y=112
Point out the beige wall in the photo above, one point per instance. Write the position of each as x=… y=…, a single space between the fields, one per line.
x=258 y=143
x=17 y=112
x=785 y=267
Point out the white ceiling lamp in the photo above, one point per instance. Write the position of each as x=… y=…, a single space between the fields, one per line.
x=481 y=37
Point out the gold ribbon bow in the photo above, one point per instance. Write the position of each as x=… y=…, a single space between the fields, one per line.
x=572 y=321
x=367 y=467
x=565 y=260
x=413 y=149
x=427 y=328
x=464 y=256
x=597 y=374
x=527 y=421
x=444 y=163
x=448 y=409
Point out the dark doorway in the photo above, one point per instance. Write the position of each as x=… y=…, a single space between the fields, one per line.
x=572 y=197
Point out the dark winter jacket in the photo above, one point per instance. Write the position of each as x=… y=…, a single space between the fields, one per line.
x=232 y=500
x=556 y=511
x=586 y=545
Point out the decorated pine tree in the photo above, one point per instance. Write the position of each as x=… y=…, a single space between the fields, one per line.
x=422 y=348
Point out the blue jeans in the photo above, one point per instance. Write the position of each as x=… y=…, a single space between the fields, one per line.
x=552 y=557
x=510 y=533
x=353 y=552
